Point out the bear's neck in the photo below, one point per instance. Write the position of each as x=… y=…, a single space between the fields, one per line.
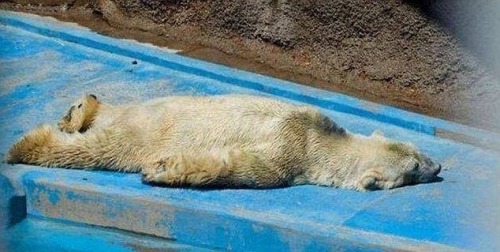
x=334 y=161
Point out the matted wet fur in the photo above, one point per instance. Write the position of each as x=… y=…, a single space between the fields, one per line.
x=233 y=141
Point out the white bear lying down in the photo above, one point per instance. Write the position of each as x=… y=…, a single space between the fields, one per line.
x=230 y=141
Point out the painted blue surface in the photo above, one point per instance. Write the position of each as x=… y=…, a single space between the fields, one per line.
x=34 y=234
x=45 y=65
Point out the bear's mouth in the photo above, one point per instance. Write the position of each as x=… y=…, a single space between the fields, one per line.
x=431 y=174
x=430 y=179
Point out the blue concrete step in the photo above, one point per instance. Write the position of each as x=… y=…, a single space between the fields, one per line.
x=300 y=218
x=35 y=234
x=46 y=64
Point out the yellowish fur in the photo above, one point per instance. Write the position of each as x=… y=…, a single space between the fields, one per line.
x=80 y=116
x=222 y=141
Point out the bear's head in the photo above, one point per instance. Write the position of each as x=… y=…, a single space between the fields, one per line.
x=387 y=164
x=80 y=115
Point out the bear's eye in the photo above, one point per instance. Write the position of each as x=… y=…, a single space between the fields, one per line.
x=416 y=166
x=79 y=106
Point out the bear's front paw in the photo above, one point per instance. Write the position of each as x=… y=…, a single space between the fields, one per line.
x=154 y=178
x=66 y=126
x=157 y=173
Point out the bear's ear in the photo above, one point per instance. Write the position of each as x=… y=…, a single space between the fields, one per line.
x=370 y=180
x=92 y=96
x=378 y=133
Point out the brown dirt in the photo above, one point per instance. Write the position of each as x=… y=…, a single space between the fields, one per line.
x=384 y=51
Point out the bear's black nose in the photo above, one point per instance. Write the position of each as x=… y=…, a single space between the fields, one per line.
x=438 y=170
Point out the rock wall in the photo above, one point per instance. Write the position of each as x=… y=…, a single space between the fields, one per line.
x=390 y=41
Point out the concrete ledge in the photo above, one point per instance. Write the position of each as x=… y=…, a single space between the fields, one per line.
x=40 y=234
x=201 y=218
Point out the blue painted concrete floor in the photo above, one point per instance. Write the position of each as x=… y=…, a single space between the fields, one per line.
x=46 y=64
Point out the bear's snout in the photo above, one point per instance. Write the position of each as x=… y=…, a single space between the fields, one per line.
x=437 y=170
x=429 y=171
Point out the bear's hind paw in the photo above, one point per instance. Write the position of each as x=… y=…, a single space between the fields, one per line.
x=25 y=150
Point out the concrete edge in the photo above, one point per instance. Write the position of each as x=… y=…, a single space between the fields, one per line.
x=49 y=196
x=46 y=234
x=321 y=98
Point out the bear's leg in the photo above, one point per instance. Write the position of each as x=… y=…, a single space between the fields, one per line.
x=46 y=147
x=225 y=168
x=105 y=149
x=186 y=169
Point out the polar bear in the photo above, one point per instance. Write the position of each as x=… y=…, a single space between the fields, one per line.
x=230 y=141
